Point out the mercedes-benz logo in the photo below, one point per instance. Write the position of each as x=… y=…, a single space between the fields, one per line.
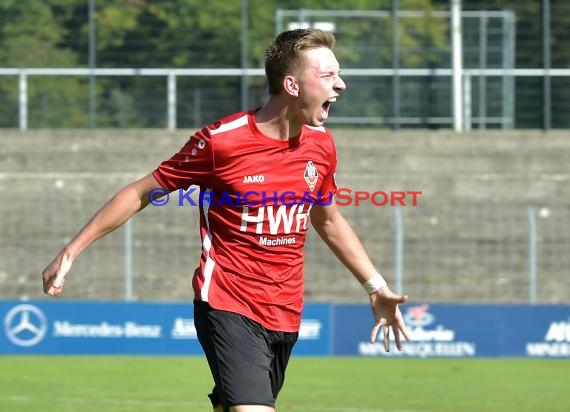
x=25 y=325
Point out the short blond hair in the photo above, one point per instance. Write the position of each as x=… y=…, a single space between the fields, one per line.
x=282 y=56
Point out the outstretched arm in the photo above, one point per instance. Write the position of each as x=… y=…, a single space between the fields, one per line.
x=337 y=233
x=128 y=201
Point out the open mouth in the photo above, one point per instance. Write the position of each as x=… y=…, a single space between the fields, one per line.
x=327 y=105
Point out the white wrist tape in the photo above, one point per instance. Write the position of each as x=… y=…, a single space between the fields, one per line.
x=374 y=283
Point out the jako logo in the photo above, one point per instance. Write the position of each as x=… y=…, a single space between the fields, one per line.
x=254 y=179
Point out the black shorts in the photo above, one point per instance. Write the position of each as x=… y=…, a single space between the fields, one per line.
x=247 y=361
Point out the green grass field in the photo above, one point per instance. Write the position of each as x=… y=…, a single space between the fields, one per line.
x=173 y=384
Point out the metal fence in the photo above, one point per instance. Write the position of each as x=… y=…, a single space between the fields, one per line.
x=438 y=254
x=399 y=65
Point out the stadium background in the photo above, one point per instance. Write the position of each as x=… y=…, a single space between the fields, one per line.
x=94 y=93
x=491 y=225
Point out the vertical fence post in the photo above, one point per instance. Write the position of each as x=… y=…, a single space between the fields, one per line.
x=399 y=250
x=128 y=260
x=532 y=255
x=244 y=54
x=508 y=62
x=171 y=103
x=546 y=81
x=396 y=65
x=467 y=103
x=278 y=23
x=457 y=64
x=23 y=93
x=92 y=65
x=483 y=23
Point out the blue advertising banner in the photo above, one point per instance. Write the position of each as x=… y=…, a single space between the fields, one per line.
x=315 y=333
x=460 y=331
x=97 y=328
x=64 y=327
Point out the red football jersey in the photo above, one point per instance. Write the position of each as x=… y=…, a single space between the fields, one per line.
x=255 y=197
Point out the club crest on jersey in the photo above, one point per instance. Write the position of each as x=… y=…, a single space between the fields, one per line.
x=311 y=175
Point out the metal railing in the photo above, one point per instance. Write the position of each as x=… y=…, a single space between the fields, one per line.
x=471 y=77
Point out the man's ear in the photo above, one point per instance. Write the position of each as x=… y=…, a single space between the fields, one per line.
x=290 y=85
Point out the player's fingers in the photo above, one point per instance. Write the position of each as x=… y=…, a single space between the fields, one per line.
x=64 y=267
x=403 y=328
x=53 y=282
x=394 y=297
x=387 y=338
x=50 y=288
x=54 y=290
x=397 y=337
x=58 y=281
x=374 y=332
x=47 y=283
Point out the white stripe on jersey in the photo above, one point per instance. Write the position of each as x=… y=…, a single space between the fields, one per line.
x=207 y=245
x=317 y=128
x=208 y=270
x=234 y=124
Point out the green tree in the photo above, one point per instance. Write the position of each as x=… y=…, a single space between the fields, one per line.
x=365 y=41
x=29 y=37
x=195 y=34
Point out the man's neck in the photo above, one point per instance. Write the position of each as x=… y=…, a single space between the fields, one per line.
x=273 y=119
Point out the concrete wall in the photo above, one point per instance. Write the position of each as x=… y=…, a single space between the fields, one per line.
x=53 y=180
x=503 y=167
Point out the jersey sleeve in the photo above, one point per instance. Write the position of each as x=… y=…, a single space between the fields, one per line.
x=192 y=165
x=328 y=187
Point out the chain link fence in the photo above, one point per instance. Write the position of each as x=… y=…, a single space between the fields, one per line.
x=172 y=64
x=467 y=253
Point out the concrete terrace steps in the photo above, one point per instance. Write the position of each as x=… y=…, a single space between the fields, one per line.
x=472 y=152
x=466 y=240
x=494 y=166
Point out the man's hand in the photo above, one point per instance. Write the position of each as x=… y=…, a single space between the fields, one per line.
x=53 y=276
x=386 y=311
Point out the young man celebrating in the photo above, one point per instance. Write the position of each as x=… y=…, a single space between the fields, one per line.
x=268 y=172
